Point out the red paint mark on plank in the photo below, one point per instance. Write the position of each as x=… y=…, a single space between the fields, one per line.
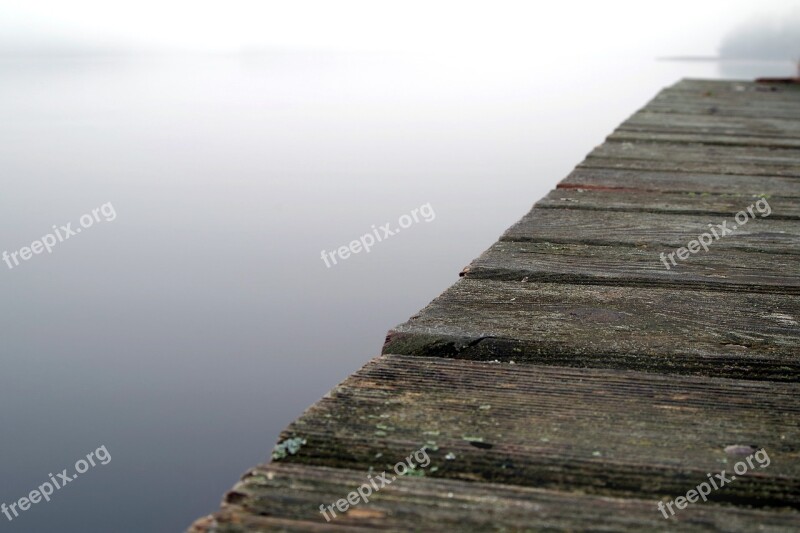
x=599 y=187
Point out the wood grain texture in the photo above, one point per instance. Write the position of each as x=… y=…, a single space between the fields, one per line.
x=655 y=181
x=660 y=330
x=703 y=138
x=617 y=434
x=637 y=267
x=771 y=128
x=780 y=157
x=695 y=87
x=692 y=166
x=726 y=204
x=778 y=101
x=583 y=226
x=725 y=109
x=783 y=98
x=286 y=497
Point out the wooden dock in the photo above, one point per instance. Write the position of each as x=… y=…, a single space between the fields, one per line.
x=570 y=380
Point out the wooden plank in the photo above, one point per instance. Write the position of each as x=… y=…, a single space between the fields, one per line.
x=699 y=152
x=643 y=180
x=286 y=497
x=696 y=158
x=691 y=167
x=772 y=100
x=778 y=99
x=660 y=330
x=636 y=267
x=646 y=121
x=678 y=203
x=623 y=434
x=729 y=100
x=724 y=110
x=694 y=87
x=581 y=226
x=704 y=138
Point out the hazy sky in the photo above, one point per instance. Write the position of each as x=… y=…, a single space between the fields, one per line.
x=765 y=37
x=622 y=27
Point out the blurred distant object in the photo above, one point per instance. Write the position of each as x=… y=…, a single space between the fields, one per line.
x=768 y=44
x=775 y=38
x=766 y=38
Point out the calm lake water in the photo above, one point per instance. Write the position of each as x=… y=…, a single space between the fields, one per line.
x=185 y=333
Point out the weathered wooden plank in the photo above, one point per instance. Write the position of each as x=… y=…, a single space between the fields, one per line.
x=712 y=125
x=286 y=497
x=753 y=161
x=704 y=138
x=776 y=97
x=660 y=330
x=729 y=99
x=699 y=152
x=692 y=166
x=637 y=267
x=773 y=101
x=679 y=203
x=623 y=434
x=642 y=180
x=724 y=110
x=581 y=226
x=785 y=98
x=695 y=87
